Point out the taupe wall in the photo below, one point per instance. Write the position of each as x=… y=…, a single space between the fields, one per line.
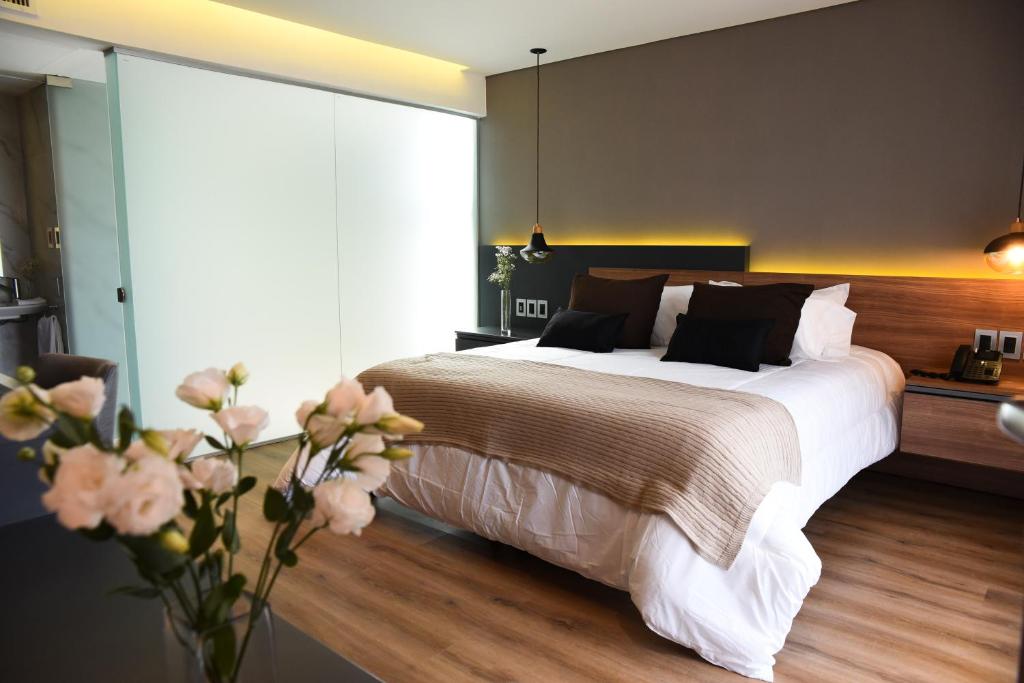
x=881 y=136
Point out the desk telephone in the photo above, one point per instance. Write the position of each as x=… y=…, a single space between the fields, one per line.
x=968 y=365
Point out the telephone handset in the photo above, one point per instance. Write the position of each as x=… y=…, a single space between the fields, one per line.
x=971 y=366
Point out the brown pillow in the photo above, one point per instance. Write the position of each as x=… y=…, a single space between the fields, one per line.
x=639 y=298
x=779 y=302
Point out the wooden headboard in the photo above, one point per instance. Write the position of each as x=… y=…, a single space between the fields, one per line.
x=919 y=321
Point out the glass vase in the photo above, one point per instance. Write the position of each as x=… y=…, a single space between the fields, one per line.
x=506 y=312
x=188 y=654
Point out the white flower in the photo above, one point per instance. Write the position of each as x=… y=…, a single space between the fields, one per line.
x=238 y=374
x=82 y=486
x=325 y=429
x=82 y=398
x=145 y=497
x=179 y=444
x=342 y=505
x=242 y=423
x=216 y=475
x=373 y=472
x=363 y=443
x=205 y=389
x=377 y=405
x=345 y=397
x=22 y=417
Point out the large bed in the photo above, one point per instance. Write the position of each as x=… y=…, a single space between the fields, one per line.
x=846 y=416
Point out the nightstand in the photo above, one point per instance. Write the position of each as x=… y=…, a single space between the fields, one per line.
x=476 y=337
x=956 y=421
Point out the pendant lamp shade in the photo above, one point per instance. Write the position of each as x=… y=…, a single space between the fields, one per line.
x=537 y=251
x=1005 y=254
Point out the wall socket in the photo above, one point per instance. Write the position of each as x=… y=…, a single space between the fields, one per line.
x=521 y=308
x=985 y=339
x=1009 y=344
x=542 y=308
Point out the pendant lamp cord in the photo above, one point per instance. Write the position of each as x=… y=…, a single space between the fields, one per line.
x=537 y=154
x=1020 y=192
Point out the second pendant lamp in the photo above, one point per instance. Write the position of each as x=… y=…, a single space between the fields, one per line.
x=537 y=251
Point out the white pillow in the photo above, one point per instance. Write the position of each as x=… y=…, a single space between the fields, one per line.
x=674 y=300
x=836 y=293
x=724 y=283
x=824 y=332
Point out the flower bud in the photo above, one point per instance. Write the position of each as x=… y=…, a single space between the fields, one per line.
x=26 y=454
x=25 y=374
x=155 y=440
x=399 y=424
x=238 y=374
x=396 y=453
x=173 y=540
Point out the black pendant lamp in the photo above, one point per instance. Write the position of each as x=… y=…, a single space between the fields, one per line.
x=537 y=251
x=1006 y=254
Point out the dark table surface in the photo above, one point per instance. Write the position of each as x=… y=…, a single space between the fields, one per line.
x=58 y=621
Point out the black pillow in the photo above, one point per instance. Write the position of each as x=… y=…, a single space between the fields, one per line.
x=729 y=343
x=583 y=331
x=639 y=298
x=781 y=302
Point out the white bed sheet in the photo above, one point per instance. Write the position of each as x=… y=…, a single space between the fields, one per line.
x=846 y=416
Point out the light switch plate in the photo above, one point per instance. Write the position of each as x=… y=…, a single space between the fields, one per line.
x=542 y=308
x=521 y=308
x=531 y=308
x=1009 y=344
x=980 y=339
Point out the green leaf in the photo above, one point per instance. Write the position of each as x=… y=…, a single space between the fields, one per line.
x=125 y=426
x=245 y=485
x=143 y=592
x=191 y=508
x=302 y=499
x=229 y=533
x=224 y=651
x=204 y=533
x=275 y=507
x=223 y=498
x=73 y=429
x=284 y=540
x=216 y=444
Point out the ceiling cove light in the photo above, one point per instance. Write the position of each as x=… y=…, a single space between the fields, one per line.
x=1006 y=254
x=537 y=251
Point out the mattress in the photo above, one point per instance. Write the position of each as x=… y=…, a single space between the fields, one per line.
x=846 y=414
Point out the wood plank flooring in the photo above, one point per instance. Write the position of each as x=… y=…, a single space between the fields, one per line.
x=921 y=582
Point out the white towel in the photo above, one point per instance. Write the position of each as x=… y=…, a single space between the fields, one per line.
x=51 y=339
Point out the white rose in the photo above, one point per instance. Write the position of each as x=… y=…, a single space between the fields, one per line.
x=373 y=472
x=377 y=405
x=82 y=486
x=145 y=497
x=82 y=398
x=217 y=475
x=179 y=444
x=22 y=417
x=343 y=506
x=242 y=423
x=205 y=389
x=345 y=398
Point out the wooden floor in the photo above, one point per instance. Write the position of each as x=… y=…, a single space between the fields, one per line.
x=921 y=582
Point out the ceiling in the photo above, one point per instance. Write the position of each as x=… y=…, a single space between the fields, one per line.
x=494 y=36
x=27 y=55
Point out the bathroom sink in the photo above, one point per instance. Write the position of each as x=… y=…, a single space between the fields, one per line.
x=10 y=311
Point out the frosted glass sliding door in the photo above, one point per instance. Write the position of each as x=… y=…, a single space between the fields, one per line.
x=84 y=179
x=407 y=229
x=229 y=241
